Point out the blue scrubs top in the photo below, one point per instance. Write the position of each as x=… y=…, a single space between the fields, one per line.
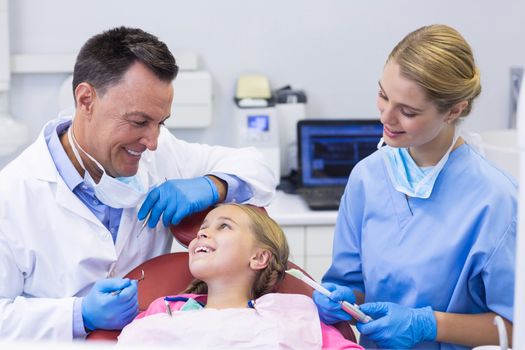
x=454 y=251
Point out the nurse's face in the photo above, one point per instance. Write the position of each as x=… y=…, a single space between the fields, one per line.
x=224 y=247
x=409 y=118
x=126 y=120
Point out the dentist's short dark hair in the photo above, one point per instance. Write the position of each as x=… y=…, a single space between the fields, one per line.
x=106 y=57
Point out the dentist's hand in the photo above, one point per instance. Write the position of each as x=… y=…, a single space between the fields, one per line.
x=103 y=310
x=330 y=308
x=176 y=199
x=398 y=327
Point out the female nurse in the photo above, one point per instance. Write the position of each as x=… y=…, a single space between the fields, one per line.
x=426 y=229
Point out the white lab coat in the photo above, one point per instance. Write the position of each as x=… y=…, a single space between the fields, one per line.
x=53 y=248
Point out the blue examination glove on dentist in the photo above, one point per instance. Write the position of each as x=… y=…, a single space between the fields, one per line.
x=111 y=304
x=396 y=326
x=330 y=310
x=176 y=199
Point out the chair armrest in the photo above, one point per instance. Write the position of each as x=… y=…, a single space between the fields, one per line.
x=102 y=335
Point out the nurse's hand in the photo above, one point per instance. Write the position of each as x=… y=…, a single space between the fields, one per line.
x=176 y=199
x=398 y=327
x=106 y=308
x=330 y=308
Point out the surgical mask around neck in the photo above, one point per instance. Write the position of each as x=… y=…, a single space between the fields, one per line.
x=406 y=176
x=120 y=192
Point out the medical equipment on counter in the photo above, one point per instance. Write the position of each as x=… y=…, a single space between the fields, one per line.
x=352 y=309
x=290 y=106
x=253 y=91
x=12 y=133
x=255 y=119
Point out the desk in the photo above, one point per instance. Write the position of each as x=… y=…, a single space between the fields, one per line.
x=310 y=233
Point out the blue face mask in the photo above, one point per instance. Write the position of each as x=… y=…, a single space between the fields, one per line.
x=406 y=176
x=121 y=192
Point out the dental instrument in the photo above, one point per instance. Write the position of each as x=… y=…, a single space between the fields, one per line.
x=145 y=222
x=168 y=308
x=117 y=292
x=146 y=219
x=352 y=309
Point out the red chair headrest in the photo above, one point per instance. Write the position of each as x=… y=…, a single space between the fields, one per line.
x=186 y=230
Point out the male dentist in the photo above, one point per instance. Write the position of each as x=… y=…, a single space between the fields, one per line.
x=73 y=204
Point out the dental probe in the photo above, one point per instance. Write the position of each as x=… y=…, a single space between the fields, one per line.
x=352 y=309
x=117 y=292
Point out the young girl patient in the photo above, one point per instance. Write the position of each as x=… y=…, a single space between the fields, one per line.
x=238 y=256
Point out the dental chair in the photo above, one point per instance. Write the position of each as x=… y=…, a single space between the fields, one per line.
x=169 y=274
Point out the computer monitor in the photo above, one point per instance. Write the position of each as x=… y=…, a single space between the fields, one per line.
x=328 y=149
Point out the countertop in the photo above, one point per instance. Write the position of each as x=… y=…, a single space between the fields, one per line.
x=292 y=210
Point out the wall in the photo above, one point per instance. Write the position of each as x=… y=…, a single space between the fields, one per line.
x=334 y=50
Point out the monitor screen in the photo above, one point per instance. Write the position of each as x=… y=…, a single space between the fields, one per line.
x=329 y=149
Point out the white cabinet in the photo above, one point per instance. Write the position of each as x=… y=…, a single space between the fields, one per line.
x=310 y=247
x=295 y=236
x=319 y=241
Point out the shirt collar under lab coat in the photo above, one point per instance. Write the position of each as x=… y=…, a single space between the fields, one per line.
x=64 y=166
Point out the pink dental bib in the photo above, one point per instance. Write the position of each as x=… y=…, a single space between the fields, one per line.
x=278 y=321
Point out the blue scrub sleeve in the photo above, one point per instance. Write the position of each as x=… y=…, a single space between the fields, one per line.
x=238 y=190
x=346 y=268
x=498 y=275
x=78 y=322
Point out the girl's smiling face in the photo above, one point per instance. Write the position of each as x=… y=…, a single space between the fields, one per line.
x=224 y=246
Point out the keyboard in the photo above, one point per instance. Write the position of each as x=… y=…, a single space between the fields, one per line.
x=322 y=198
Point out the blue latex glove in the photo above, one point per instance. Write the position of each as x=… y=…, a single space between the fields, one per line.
x=329 y=308
x=103 y=310
x=176 y=199
x=398 y=327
